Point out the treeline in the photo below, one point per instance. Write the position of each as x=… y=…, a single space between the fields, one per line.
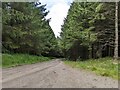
x=25 y=29
x=89 y=31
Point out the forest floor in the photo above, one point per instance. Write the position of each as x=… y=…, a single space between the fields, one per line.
x=53 y=74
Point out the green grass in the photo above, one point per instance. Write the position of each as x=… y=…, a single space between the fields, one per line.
x=103 y=66
x=12 y=60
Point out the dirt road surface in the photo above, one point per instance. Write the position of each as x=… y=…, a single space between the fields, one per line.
x=53 y=74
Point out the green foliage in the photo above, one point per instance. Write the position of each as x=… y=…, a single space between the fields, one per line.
x=89 y=28
x=79 y=26
x=25 y=29
x=12 y=60
x=102 y=66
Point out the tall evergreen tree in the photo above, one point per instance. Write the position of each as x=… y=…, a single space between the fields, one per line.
x=25 y=29
x=89 y=28
x=78 y=28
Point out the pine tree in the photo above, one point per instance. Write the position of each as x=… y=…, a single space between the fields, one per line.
x=25 y=29
x=78 y=28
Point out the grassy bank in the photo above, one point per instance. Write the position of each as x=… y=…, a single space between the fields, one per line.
x=103 y=66
x=11 y=60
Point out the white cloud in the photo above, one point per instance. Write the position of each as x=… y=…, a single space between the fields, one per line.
x=58 y=11
x=57 y=14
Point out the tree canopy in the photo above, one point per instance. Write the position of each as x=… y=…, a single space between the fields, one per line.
x=25 y=29
x=89 y=30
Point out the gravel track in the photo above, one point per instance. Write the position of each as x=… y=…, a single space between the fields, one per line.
x=53 y=74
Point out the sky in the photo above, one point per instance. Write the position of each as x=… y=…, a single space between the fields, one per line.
x=58 y=10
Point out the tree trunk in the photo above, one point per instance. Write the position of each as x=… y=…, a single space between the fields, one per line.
x=116 y=32
x=90 y=47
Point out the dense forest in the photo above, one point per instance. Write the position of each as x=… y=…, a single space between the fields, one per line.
x=89 y=40
x=88 y=30
x=25 y=29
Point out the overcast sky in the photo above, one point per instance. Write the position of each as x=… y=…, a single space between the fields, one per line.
x=58 y=11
